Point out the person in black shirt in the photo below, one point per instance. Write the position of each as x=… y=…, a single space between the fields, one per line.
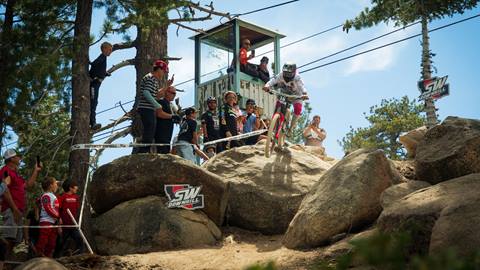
x=187 y=136
x=263 y=72
x=211 y=127
x=165 y=121
x=228 y=122
x=98 y=72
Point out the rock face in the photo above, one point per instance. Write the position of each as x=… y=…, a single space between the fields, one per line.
x=443 y=215
x=41 y=264
x=411 y=139
x=449 y=150
x=396 y=192
x=140 y=175
x=406 y=168
x=265 y=193
x=146 y=225
x=347 y=196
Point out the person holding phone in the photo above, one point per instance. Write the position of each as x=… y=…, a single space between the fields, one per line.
x=313 y=134
x=243 y=58
x=148 y=106
x=14 y=200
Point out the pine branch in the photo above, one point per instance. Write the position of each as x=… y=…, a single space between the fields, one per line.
x=187 y=27
x=124 y=63
x=125 y=45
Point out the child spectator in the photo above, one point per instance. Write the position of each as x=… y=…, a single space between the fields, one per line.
x=49 y=215
x=98 y=72
x=69 y=201
x=187 y=136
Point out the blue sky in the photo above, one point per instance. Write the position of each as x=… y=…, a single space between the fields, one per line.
x=341 y=92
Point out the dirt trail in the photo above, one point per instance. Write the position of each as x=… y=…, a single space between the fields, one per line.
x=238 y=250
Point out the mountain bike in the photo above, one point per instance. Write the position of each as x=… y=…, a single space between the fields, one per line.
x=280 y=119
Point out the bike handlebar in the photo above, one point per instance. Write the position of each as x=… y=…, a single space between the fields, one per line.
x=278 y=93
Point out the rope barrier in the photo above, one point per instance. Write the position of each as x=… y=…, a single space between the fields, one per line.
x=83 y=146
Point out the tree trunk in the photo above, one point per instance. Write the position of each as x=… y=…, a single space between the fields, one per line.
x=5 y=60
x=427 y=74
x=151 y=46
x=79 y=129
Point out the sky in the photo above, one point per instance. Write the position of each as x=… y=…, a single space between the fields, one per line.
x=340 y=93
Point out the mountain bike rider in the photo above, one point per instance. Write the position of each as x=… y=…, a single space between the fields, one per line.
x=291 y=84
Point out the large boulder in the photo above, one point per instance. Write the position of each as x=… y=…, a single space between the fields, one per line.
x=406 y=168
x=41 y=264
x=439 y=216
x=265 y=192
x=347 y=196
x=449 y=150
x=140 y=175
x=411 y=139
x=396 y=192
x=146 y=225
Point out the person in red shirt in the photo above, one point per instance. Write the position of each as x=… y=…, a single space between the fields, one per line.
x=14 y=200
x=69 y=201
x=243 y=57
x=49 y=215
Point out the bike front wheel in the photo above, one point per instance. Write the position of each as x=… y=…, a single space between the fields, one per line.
x=270 y=141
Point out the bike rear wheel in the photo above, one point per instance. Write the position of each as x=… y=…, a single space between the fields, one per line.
x=270 y=141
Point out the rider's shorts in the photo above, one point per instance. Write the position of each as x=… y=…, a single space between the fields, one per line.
x=297 y=107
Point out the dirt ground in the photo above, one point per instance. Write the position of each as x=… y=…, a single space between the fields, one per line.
x=238 y=250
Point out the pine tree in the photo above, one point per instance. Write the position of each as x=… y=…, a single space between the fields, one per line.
x=387 y=121
x=403 y=12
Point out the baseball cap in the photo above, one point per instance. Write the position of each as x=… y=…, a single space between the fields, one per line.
x=162 y=65
x=9 y=153
x=264 y=59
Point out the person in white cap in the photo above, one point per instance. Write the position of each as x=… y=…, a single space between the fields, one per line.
x=14 y=201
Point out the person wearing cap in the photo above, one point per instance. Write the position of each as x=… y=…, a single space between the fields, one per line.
x=147 y=106
x=165 y=120
x=187 y=136
x=263 y=72
x=98 y=72
x=228 y=119
x=211 y=127
x=14 y=201
x=251 y=122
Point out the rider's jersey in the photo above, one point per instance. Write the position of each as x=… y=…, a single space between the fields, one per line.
x=294 y=87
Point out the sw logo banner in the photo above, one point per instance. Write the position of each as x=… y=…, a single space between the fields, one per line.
x=184 y=196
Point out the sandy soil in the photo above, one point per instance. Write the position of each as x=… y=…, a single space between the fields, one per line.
x=238 y=250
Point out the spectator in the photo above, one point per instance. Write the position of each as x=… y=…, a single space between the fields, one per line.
x=98 y=72
x=69 y=201
x=3 y=243
x=211 y=127
x=187 y=136
x=31 y=235
x=165 y=120
x=49 y=215
x=148 y=107
x=313 y=134
x=263 y=72
x=14 y=200
x=228 y=119
x=239 y=117
x=251 y=121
